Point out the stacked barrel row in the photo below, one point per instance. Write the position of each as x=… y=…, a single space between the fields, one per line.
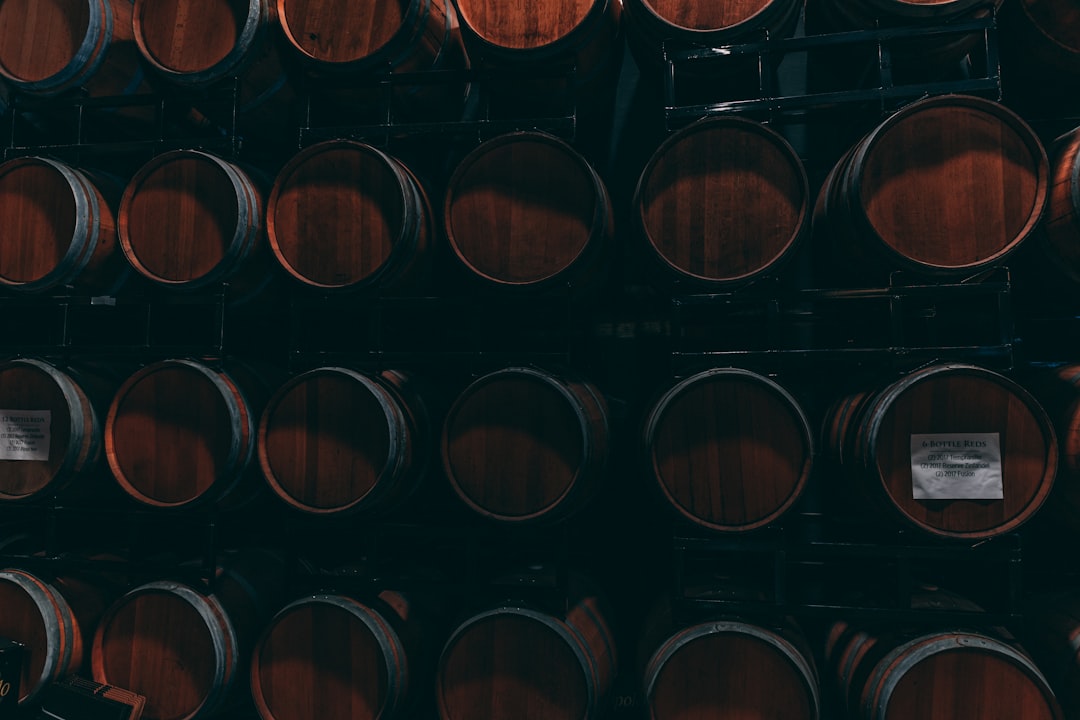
x=954 y=450
x=945 y=187
x=193 y=649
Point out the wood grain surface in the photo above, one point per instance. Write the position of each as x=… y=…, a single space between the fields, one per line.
x=708 y=15
x=186 y=217
x=959 y=675
x=947 y=185
x=519 y=445
x=73 y=442
x=39 y=38
x=952 y=399
x=177 y=434
x=729 y=670
x=329 y=657
x=519 y=26
x=336 y=440
x=722 y=201
x=36 y=615
x=344 y=215
x=59 y=228
x=343 y=31
x=517 y=663
x=158 y=644
x=730 y=450
x=523 y=208
x=188 y=36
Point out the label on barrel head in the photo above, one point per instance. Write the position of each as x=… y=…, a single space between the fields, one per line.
x=24 y=434
x=956 y=466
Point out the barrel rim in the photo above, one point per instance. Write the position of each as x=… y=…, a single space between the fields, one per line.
x=852 y=176
x=210 y=611
x=800 y=230
x=760 y=19
x=58 y=621
x=886 y=400
x=661 y=406
x=87 y=213
x=591 y=24
x=592 y=462
x=599 y=228
x=678 y=640
x=386 y=56
x=877 y=692
x=249 y=40
x=411 y=205
x=249 y=212
x=548 y=622
x=86 y=60
x=240 y=450
x=397 y=435
x=376 y=624
x=80 y=437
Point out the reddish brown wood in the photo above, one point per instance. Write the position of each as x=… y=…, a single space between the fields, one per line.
x=730 y=450
x=652 y=23
x=34 y=613
x=523 y=445
x=48 y=47
x=333 y=657
x=75 y=439
x=947 y=398
x=59 y=228
x=196 y=43
x=189 y=219
x=181 y=646
x=722 y=201
x=344 y=215
x=730 y=668
x=948 y=185
x=525 y=210
x=336 y=440
x=1058 y=389
x=1061 y=225
x=517 y=663
x=179 y=433
x=939 y=675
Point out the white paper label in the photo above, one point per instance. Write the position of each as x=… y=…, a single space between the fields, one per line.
x=956 y=466
x=24 y=434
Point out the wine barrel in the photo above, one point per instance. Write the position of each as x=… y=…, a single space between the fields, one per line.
x=951 y=674
x=656 y=26
x=342 y=42
x=316 y=642
x=48 y=47
x=59 y=229
x=722 y=202
x=184 y=647
x=730 y=668
x=513 y=662
x=550 y=35
x=523 y=445
x=197 y=43
x=180 y=433
x=52 y=431
x=946 y=186
x=953 y=450
x=526 y=211
x=36 y=614
x=335 y=440
x=189 y=219
x=730 y=450
x=344 y=215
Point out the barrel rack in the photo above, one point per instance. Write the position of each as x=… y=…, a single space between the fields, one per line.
x=807 y=563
